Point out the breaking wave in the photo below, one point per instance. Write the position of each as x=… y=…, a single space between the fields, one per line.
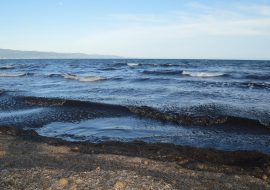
x=184 y=73
x=83 y=78
x=183 y=118
x=7 y=67
x=187 y=119
x=76 y=77
x=133 y=64
x=152 y=65
x=13 y=74
x=202 y=74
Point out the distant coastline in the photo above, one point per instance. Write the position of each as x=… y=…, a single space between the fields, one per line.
x=6 y=54
x=18 y=54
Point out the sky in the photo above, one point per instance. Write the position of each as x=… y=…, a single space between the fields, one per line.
x=209 y=29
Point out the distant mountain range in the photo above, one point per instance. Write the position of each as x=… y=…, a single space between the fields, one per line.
x=17 y=54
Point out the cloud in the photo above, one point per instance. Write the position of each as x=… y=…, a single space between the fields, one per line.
x=199 y=31
x=177 y=25
x=255 y=10
x=171 y=40
x=198 y=5
x=239 y=20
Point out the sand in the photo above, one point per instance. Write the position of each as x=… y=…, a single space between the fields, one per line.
x=28 y=161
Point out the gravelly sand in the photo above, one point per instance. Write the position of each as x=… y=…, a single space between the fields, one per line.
x=29 y=162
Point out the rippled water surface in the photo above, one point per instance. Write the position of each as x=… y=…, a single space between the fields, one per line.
x=206 y=103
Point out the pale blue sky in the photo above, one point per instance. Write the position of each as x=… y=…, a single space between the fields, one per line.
x=227 y=29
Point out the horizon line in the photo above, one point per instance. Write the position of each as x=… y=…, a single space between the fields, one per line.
x=118 y=57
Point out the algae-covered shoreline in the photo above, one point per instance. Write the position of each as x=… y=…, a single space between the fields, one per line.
x=29 y=161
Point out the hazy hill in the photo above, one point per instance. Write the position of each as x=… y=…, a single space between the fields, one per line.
x=17 y=54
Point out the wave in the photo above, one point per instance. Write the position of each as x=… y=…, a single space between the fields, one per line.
x=163 y=65
x=229 y=84
x=258 y=77
x=108 y=69
x=13 y=74
x=118 y=64
x=54 y=75
x=83 y=78
x=168 y=65
x=186 y=119
x=255 y=85
x=76 y=77
x=65 y=102
x=163 y=72
x=184 y=73
x=54 y=110
x=7 y=67
x=202 y=74
x=133 y=64
x=183 y=118
x=153 y=65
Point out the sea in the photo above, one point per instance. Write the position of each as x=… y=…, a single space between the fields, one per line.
x=219 y=104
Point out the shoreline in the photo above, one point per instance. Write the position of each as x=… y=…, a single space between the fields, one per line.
x=163 y=166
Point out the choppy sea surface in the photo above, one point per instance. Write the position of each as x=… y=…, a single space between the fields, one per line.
x=221 y=104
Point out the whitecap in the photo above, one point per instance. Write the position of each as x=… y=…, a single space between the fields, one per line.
x=84 y=78
x=202 y=74
x=12 y=74
x=133 y=64
x=7 y=67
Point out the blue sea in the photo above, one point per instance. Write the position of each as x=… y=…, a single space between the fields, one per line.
x=220 y=104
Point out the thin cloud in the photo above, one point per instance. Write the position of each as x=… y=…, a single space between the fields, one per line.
x=144 y=35
x=198 y=5
x=214 y=22
x=259 y=10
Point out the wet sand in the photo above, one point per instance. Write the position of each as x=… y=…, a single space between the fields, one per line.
x=29 y=161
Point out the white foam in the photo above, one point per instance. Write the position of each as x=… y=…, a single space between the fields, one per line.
x=7 y=67
x=133 y=64
x=12 y=74
x=202 y=74
x=84 y=78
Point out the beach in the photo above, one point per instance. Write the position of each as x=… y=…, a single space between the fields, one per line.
x=135 y=95
x=29 y=161
x=134 y=124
